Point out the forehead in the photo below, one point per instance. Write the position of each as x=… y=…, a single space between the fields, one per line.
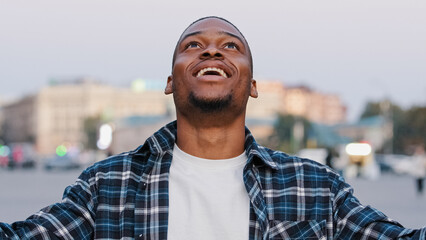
x=211 y=25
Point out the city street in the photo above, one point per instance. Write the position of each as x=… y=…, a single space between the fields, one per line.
x=23 y=192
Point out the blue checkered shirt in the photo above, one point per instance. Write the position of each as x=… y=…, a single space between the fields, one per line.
x=126 y=197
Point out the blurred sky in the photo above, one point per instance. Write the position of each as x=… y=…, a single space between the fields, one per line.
x=361 y=50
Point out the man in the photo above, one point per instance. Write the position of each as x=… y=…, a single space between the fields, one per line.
x=204 y=176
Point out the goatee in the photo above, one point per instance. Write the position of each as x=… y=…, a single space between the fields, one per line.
x=210 y=105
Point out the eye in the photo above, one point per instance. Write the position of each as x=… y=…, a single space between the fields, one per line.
x=192 y=45
x=231 y=45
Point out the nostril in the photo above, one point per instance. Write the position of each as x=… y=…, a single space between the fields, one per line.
x=211 y=53
x=218 y=54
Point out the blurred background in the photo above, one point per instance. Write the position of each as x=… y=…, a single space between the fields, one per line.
x=340 y=82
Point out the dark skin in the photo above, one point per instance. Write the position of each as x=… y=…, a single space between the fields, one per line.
x=211 y=43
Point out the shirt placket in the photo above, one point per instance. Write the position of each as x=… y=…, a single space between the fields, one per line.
x=142 y=211
x=257 y=203
x=151 y=211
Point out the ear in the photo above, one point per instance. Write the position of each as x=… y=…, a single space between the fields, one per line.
x=253 y=89
x=169 y=86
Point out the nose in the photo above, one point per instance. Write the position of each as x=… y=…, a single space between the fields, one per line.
x=211 y=52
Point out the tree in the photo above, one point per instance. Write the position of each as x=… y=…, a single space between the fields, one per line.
x=284 y=137
x=91 y=126
x=409 y=126
x=382 y=108
x=411 y=131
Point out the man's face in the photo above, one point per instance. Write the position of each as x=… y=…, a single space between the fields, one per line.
x=212 y=68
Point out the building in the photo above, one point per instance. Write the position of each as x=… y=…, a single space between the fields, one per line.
x=269 y=102
x=4 y=101
x=276 y=98
x=262 y=111
x=19 y=120
x=316 y=107
x=132 y=131
x=56 y=114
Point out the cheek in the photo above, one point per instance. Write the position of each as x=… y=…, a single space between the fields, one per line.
x=181 y=63
x=178 y=68
x=245 y=71
x=178 y=73
x=244 y=66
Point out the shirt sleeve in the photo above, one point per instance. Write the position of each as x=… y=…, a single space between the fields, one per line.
x=73 y=218
x=352 y=220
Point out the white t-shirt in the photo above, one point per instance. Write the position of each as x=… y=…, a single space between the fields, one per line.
x=207 y=198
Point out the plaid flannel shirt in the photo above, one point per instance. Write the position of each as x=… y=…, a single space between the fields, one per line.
x=126 y=197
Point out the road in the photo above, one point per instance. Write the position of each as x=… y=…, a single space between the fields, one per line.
x=23 y=192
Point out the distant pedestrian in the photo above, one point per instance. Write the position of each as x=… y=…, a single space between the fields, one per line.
x=329 y=158
x=419 y=161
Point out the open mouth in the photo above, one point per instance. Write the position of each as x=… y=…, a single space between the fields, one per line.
x=212 y=71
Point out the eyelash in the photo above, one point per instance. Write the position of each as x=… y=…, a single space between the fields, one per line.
x=191 y=43
x=232 y=44
x=226 y=44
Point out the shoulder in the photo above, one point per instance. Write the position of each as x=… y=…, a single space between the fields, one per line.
x=304 y=169
x=284 y=160
x=131 y=162
x=138 y=160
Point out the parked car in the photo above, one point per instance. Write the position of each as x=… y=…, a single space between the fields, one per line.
x=396 y=163
x=62 y=163
x=22 y=155
x=316 y=154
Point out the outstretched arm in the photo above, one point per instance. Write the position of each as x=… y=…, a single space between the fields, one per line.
x=73 y=218
x=355 y=221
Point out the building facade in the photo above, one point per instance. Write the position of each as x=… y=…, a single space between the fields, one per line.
x=56 y=114
x=317 y=107
x=276 y=98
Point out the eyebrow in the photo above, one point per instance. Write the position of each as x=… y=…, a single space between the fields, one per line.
x=220 y=32
x=190 y=34
x=232 y=35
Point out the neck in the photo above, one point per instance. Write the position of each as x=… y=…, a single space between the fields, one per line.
x=210 y=137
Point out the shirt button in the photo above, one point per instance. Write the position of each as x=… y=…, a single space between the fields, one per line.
x=140 y=236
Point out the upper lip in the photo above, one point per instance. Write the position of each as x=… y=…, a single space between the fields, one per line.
x=221 y=69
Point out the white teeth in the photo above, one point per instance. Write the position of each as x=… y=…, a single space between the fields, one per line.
x=210 y=69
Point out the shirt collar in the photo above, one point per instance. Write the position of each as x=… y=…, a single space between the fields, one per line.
x=164 y=139
x=255 y=151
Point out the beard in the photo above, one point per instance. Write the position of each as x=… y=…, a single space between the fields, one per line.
x=210 y=105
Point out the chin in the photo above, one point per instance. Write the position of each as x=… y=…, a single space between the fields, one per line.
x=210 y=105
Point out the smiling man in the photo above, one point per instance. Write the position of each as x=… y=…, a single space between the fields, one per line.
x=211 y=81
x=204 y=176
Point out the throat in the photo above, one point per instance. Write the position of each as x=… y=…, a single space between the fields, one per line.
x=219 y=142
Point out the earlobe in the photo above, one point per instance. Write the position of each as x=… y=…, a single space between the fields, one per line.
x=253 y=89
x=169 y=86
